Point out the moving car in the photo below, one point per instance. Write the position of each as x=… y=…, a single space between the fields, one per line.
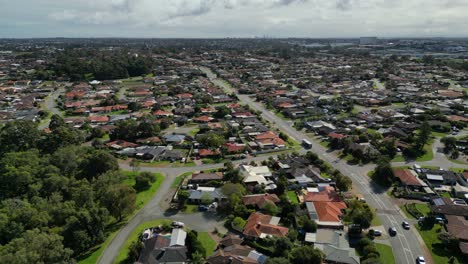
x=392 y=231
x=420 y=260
x=405 y=225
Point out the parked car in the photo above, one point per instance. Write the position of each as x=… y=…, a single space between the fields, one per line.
x=420 y=260
x=202 y=208
x=405 y=225
x=375 y=232
x=392 y=231
x=177 y=224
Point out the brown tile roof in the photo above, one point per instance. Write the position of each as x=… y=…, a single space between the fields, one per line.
x=457 y=226
x=260 y=200
x=207 y=176
x=406 y=177
x=327 y=195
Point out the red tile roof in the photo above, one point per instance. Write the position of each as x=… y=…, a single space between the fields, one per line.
x=327 y=195
x=208 y=152
x=336 y=135
x=329 y=211
x=259 y=223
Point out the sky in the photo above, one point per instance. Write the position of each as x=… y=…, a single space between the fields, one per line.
x=233 y=18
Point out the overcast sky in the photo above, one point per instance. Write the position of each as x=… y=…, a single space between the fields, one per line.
x=233 y=18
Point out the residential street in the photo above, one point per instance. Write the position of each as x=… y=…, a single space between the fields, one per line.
x=51 y=106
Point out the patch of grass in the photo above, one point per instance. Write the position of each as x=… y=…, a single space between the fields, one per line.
x=144 y=196
x=183 y=164
x=458 y=161
x=207 y=242
x=445 y=194
x=428 y=155
x=376 y=220
x=457 y=170
x=325 y=144
x=179 y=179
x=123 y=252
x=438 y=251
x=403 y=208
x=439 y=134
x=194 y=131
x=386 y=253
x=398 y=104
x=190 y=209
x=325 y=175
x=292 y=197
x=92 y=256
x=398 y=158
x=423 y=208
x=430 y=167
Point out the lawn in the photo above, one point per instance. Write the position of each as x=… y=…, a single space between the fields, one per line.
x=445 y=194
x=325 y=175
x=457 y=170
x=144 y=196
x=325 y=144
x=398 y=104
x=141 y=199
x=208 y=243
x=386 y=253
x=376 y=220
x=179 y=179
x=423 y=208
x=438 y=251
x=123 y=253
x=190 y=209
x=439 y=134
x=398 y=158
x=428 y=156
x=292 y=197
x=458 y=161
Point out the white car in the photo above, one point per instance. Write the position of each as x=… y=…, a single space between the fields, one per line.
x=420 y=260
x=178 y=224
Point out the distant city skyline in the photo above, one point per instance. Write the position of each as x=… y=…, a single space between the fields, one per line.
x=233 y=18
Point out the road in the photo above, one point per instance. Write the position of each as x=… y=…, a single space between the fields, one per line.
x=407 y=244
x=203 y=222
x=51 y=106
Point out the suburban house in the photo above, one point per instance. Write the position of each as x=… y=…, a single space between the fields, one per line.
x=409 y=178
x=164 y=249
x=260 y=226
x=456 y=221
x=211 y=194
x=335 y=246
x=230 y=250
x=204 y=177
x=257 y=175
x=325 y=207
x=260 y=200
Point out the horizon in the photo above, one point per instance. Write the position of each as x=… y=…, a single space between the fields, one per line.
x=206 y=19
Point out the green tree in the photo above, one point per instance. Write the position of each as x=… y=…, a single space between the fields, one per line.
x=343 y=183
x=119 y=199
x=238 y=224
x=182 y=197
x=383 y=173
x=423 y=136
x=35 y=246
x=307 y=255
x=56 y=121
x=19 y=136
x=359 y=213
x=143 y=181
x=277 y=261
x=270 y=208
x=212 y=140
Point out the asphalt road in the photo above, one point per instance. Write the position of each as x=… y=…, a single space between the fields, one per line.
x=407 y=244
x=50 y=105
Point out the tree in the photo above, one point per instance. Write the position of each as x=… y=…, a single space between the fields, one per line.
x=270 y=208
x=222 y=111
x=194 y=245
x=143 y=181
x=98 y=162
x=359 y=213
x=56 y=121
x=182 y=197
x=343 y=183
x=212 y=140
x=307 y=255
x=309 y=225
x=238 y=224
x=283 y=246
x=277 y=261
x=19 y=136
x=119 y=199
x=449 y=241
x=383 y=173
x=423 y=136
x=35 y=246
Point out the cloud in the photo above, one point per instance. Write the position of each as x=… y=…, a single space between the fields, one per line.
x=343 y=5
